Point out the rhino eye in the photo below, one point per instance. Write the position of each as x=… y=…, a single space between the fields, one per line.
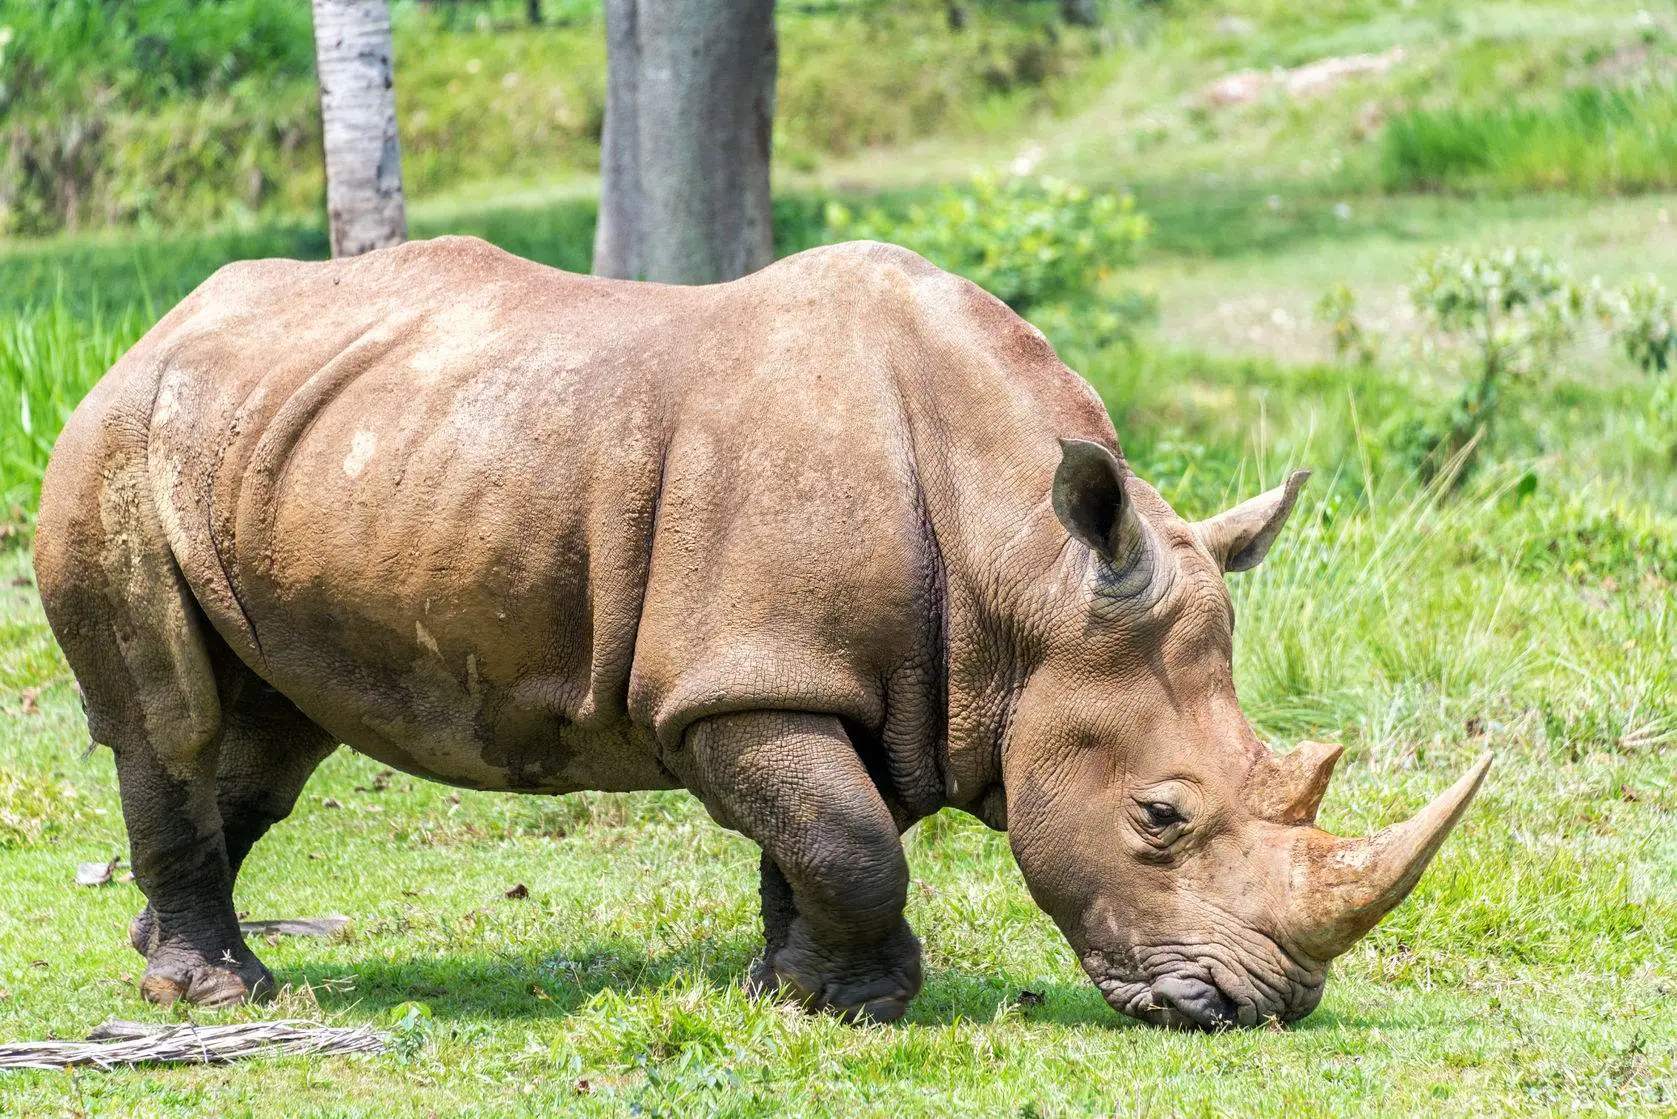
x=1160 y=814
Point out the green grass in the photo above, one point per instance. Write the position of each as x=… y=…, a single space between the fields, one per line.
x=1596 y=140
x=49 y=358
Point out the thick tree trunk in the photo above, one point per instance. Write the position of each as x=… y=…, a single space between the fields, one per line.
x=684 y=162
x=364 y=204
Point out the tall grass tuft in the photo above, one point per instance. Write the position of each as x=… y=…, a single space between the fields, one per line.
x=1591 y=140
x=49 y=358
x=1423 y=609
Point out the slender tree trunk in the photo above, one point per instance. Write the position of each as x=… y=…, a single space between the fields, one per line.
x=533 y=10
x=684 y=162
x=364 y=206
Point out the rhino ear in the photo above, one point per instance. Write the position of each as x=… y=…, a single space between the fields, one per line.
x=1089 y=496
x=1239 y=538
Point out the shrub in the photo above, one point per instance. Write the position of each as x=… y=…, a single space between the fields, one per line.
x=1026 y=241
x=218 y=96
x=67 y=54
x=1501 y=317
x=1352 y=342
x=1643 y=318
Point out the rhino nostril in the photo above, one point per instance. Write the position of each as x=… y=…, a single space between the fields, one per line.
x=1199 y=1002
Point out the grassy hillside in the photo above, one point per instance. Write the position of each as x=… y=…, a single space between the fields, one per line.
x=185 y=114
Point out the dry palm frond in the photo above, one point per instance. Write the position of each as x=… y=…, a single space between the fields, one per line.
x=134 y=1043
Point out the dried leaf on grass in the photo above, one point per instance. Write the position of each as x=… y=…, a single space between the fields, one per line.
x=135 y=1043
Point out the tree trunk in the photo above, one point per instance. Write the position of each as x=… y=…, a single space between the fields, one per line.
x=364 y=206
x=684 y=162
x=1081 y=13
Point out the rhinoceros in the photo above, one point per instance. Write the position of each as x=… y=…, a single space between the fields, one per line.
x=833 y=546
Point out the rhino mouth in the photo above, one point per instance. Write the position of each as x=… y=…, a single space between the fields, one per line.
x=1176 y=1003
x=1191 y=997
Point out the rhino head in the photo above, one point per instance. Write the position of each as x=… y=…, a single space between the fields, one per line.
x=1175 y=851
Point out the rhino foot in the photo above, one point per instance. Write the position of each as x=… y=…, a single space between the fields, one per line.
x=178 y=974
x=871 y=983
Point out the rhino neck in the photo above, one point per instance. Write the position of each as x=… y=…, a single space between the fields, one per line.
x=984 y=454
x=1004 y=595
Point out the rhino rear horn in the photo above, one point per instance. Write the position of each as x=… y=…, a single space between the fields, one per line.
x=1290 y=786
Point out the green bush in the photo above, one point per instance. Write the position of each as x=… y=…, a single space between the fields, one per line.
x=1352 y=341
x=1026 y=241
x=62 y=55
x=1643 y=318
x=1501 y=319
x=1497 y=317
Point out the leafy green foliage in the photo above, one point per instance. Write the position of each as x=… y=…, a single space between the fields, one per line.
x=176 y=114
x=1643 y=316
x=1352 y=342
x=1026 y=241
x=68 y=54
x=1502 y=317
x=1500 y=320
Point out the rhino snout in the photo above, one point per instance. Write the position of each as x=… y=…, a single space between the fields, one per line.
x=1204 y=995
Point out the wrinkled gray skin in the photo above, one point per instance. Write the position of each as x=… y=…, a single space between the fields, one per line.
x=832 y=546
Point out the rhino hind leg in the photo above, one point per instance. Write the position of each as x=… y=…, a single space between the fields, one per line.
x=267 y=752
x=194 y=950
x=835 y=879
x=145 y=659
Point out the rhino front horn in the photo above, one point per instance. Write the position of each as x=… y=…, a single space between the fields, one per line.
x=1342 y=887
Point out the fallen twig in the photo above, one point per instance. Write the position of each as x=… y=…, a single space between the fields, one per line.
x=135 y=1043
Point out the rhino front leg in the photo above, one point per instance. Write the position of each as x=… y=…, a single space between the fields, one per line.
x=775 y=893
x=834 y=932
